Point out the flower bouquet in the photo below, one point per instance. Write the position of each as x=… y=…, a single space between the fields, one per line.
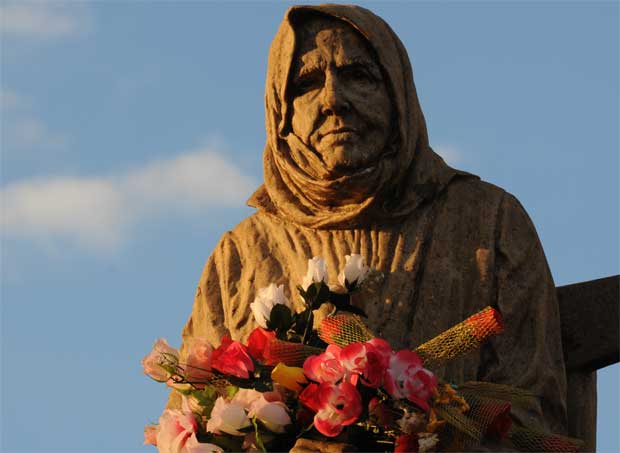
x=334 y=380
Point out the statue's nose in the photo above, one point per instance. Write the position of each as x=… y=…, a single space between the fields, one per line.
x=333 y=98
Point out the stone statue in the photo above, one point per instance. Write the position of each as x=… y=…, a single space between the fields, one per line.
x=348 y=169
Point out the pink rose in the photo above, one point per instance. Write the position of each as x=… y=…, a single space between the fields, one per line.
x=199 y=360
x=161 y=361
x=339 y=406
x=175 y=429
x=232 y=358
x=227 y=417
x=406 y=378
x=367 y=360
x=325 y=367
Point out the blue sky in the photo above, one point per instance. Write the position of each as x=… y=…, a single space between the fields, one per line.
x=132 y=134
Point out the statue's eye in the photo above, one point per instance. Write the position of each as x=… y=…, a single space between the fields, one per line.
x=357 y=73
x=308 y=82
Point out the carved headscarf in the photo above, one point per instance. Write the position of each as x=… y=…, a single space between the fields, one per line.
x=296 y=186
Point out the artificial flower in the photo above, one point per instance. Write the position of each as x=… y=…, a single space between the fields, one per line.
x=257 y=342
x=406 y=444
x=273 y=414
x=317 y=272
x=150 y=434
x=199 y=359
x=339 y=405
x=160 y=362
x=245 y=397
x=232 y=358
x=309 y=397
x=407 y=378
x=325 y=367
x=266 y=299
x=289 y=377
x=355 y=270
x=228 y=417
x=175 y=429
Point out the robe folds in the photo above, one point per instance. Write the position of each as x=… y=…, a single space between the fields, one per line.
x=470 y=247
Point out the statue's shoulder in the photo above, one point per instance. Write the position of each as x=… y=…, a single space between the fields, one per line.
x=470 y=190
x=254 y=227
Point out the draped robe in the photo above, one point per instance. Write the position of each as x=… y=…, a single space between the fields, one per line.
x=447 y=243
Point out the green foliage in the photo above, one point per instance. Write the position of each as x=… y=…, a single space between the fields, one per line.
x=231 y=391
x=259 y=441
x=206 y=398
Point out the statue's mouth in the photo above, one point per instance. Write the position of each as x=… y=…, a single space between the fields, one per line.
x=340 y=130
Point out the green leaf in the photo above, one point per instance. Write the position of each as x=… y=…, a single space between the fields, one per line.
x=231 y=391
x=259 y=441
x=206 y=398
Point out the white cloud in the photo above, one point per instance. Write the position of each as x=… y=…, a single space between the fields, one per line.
x=43 y=19
x=451 y=154
x=100 y=213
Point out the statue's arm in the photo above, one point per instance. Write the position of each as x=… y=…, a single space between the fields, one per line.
x=529 y=353
x=208 y=319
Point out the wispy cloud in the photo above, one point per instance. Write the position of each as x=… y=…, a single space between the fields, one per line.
x=21 y=129
x=451 y=154
x=30 y=133
x=43 y=19
x=100 y=213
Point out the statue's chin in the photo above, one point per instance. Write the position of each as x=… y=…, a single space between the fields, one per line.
x=344 y=161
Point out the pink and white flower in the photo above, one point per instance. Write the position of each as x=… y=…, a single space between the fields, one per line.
x=199 y=359
x=367 y=360
x=160 y=361
x=407 y=378
x=175 y=429
x=273 y=414
x=338 y=406
x=228 y=417
x=325 y=367
x=317 y=272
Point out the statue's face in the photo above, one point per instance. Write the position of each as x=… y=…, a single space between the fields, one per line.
x=341 y=106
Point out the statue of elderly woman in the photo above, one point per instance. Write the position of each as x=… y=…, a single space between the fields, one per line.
x=348 y=169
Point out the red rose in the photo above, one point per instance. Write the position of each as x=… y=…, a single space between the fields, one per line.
x=257 y=341
x=232 y=358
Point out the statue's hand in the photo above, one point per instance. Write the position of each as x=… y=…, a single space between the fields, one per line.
x=313 y=446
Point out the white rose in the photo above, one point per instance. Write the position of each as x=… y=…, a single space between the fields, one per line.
x=273 y=414
x=268 y=298
x=355 y=270
x=227 y=417
x=317 y=272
